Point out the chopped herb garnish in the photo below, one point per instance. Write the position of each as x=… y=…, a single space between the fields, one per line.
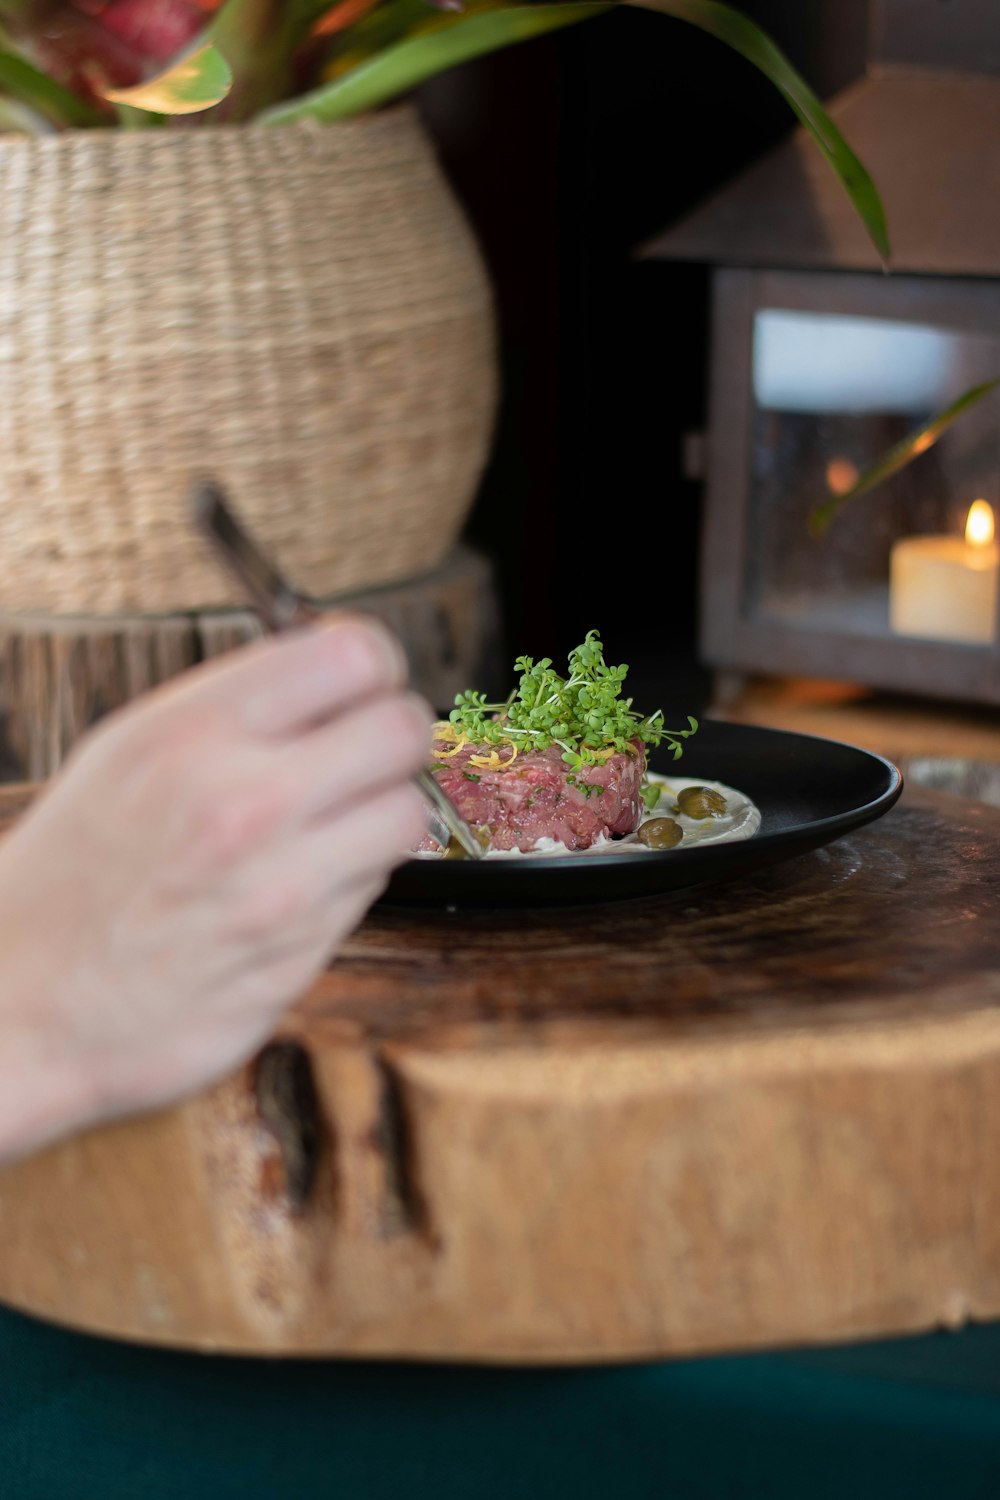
x=471 y=776
x=584 y=713
x=588 y=788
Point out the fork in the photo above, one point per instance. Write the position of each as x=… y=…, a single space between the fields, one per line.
x=282 y=607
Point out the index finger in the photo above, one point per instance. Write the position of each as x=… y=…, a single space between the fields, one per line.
x=291 y=682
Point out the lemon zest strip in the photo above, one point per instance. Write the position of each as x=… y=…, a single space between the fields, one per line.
x=449 y=754
x=492 y=762
x=448 y=732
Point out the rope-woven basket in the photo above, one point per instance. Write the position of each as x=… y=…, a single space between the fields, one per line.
x=300 y=311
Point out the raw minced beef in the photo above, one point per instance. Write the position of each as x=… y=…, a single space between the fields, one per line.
x=540 y=796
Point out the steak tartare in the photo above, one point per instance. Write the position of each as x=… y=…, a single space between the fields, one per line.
x=561 y=761
x=538 y=796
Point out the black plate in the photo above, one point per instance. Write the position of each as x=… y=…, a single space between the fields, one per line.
x=809 y=791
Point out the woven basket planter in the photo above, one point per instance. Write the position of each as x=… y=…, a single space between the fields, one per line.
x=299 y=310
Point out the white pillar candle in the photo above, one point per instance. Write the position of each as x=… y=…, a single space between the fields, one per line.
x=945 y=589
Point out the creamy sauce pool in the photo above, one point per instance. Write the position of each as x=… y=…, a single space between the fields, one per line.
x=740 y=820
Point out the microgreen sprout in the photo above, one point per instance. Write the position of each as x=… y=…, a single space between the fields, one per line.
x=651 y=793
x=584 y=713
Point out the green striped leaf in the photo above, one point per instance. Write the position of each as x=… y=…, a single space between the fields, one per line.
x=737 y=31
x=454 y=39
x=25 y=84
x=897 y=457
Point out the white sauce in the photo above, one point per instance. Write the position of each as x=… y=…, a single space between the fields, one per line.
x=740 y=820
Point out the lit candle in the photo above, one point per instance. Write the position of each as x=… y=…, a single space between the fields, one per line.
x=944 y=588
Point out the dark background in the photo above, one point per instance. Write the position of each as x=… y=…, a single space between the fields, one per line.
x=568 y=152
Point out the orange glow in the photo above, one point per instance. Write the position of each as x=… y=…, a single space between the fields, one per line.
x=979 y=528
x=840 y=475
x=341 y=16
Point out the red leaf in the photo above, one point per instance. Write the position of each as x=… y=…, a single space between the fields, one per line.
x=156 y=30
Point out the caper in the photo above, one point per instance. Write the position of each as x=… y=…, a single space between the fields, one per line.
x=660 y=833
x=700 y=802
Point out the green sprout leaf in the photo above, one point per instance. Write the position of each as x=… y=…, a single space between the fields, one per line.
x=194 y=83
x=901 y=454
x=583 y=713
x=737 y=31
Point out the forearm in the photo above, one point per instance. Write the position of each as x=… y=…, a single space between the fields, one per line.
x=191 y=870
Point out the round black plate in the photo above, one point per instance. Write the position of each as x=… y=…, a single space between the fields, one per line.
x=809 y=791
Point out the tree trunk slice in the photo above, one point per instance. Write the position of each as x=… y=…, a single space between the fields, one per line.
x=749 y=1114
x=61 y=673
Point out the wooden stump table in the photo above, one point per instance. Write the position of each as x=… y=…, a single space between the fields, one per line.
x=746 y=1114
x=61 y=673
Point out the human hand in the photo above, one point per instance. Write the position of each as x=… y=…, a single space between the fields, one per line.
x=193 y=868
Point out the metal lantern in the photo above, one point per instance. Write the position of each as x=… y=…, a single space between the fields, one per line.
x=821 y=362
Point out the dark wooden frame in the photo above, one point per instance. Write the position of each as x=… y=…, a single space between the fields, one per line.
x=730 y=637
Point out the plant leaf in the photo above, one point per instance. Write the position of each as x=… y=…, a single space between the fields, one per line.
x=390 y=22
x=899 y=455
x=401 y=66
x=735 y=29
x=251 y=33
x=130 y=118
x=18 y=119
x=194 y=82
x=26 y=84
x=339 y=17
x=260 y=40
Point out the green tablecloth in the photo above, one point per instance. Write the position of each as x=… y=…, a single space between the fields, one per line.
x=85 y=1419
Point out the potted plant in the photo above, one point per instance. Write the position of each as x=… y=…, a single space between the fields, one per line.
x=218 y=249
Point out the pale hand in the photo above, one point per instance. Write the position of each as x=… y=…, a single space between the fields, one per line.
x=193 y=868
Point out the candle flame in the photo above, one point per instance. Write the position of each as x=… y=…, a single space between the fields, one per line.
x=979 y=528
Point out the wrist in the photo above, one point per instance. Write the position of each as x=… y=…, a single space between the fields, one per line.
x=45 y=1093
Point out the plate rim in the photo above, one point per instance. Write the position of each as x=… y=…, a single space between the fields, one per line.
x=595 y=862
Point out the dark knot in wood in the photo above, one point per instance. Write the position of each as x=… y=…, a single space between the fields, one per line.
x=404 y=1208
x=288 y=1104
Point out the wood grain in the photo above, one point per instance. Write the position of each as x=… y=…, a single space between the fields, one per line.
x=745 y=1114
x=59 y=674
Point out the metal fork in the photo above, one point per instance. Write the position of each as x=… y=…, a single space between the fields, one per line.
x=281 y=607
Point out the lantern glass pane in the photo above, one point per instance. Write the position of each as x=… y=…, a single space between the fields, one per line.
x=831 y=394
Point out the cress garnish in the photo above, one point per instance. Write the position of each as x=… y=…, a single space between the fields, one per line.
x=584 y=713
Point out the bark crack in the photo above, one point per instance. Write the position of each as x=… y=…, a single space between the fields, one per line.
x=288 y=1104
x=405 y=1209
